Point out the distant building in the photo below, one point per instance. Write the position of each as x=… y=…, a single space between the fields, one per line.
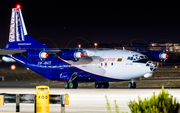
x=171 y=47
x=157 y=47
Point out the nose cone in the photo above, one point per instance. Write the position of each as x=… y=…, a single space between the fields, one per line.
x=151 y=65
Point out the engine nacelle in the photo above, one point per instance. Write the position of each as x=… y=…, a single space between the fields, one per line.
x=71 y=55
x=163 y=56
x=157 y=55
x=35 y=55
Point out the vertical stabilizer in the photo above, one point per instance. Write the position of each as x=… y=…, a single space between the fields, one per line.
x=18 y=36
x=17 y=26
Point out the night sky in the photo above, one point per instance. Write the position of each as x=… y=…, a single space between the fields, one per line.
x=101 y=22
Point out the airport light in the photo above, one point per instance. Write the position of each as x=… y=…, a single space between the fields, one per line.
x=13 y=67
x=79 y=46
x=0 y=60
x=27 y=68
x=95 y=44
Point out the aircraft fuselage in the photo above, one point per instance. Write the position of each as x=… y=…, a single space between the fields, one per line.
x=100 y=66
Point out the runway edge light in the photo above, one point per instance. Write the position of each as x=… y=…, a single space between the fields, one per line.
x=1 y=100
x=66 y=99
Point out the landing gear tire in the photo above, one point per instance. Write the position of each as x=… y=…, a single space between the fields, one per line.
x=66 y=85
x=97 y=85
x=73 y=85
x=130 y=85
x=102 y=85
x=105 y=85
x=134 y=85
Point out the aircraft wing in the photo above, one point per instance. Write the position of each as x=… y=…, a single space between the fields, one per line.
x=18 y=51
x=11 y=51
x=155 y=55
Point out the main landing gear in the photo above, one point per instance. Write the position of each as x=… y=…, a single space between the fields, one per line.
x=132 y=84
x=102 y=85
x=70 y=84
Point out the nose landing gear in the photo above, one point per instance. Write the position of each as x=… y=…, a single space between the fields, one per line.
x=71 y=85
x=132 y=84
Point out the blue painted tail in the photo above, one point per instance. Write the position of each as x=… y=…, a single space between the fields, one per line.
x=18 y=36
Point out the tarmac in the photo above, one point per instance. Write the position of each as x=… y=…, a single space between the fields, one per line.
x=86 y=100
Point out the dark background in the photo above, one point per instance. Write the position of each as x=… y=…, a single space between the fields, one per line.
x=61 y=21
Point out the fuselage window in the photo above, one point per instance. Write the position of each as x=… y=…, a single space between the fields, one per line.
x=112 y=64
x=105 y=64
x=101 y=64
x=60 y=66
x=64 y=65
x=69 y=65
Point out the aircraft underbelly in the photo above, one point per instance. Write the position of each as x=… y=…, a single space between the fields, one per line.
x=94 y=69
x=127 y=72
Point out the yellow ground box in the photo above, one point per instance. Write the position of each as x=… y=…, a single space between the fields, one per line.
x=66 y=99
x=42 y=99
x=1 y=100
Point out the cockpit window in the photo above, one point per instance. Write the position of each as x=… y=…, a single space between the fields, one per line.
x=137 y=57
x=141 y=57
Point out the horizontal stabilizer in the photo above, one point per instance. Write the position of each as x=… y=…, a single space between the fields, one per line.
x=11 y=52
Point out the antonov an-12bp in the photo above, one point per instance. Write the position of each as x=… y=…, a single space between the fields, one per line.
x=72 y=66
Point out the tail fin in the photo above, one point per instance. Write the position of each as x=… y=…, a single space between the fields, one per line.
x=18 y=36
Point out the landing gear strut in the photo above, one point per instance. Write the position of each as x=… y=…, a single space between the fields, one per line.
x=102 y=85
x=70 y=84
x=132 y=84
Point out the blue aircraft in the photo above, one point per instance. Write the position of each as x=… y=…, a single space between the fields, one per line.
x=72 y=66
